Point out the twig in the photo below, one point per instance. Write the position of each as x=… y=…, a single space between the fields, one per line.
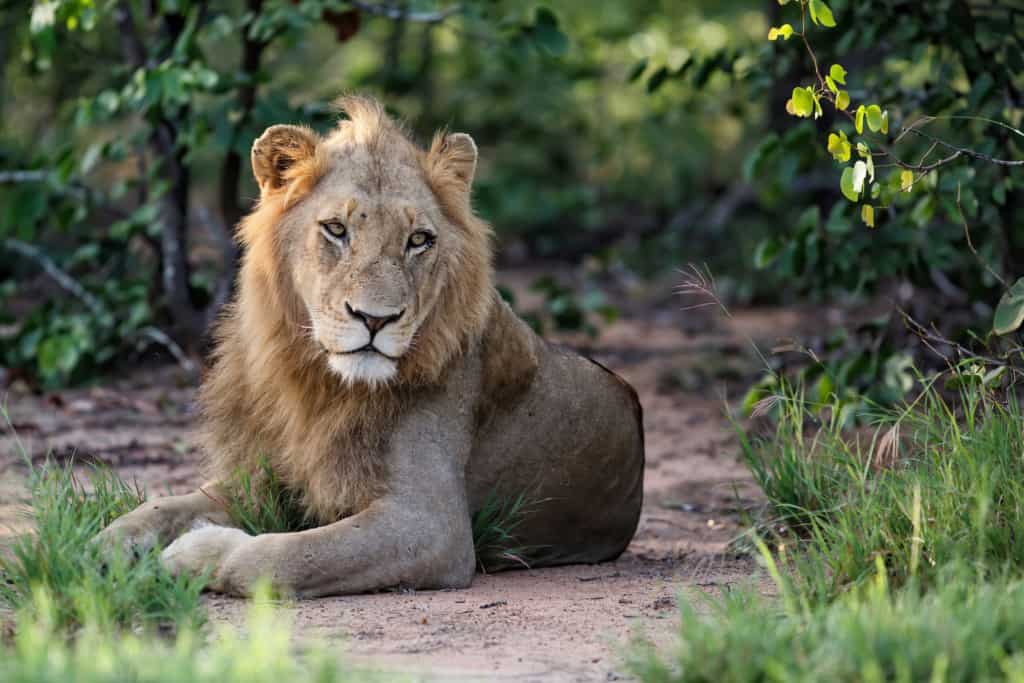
x=966 y=151
x=57 y=274
x=970 y=244
x=155 y=334
x=931 y=336
x=398 y=12
x=23 y=176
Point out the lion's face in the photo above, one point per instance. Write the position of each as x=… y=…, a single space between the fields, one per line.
x=373 y=243
x=369 y=269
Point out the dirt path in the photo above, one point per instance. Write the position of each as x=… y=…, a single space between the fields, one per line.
x=564 y=624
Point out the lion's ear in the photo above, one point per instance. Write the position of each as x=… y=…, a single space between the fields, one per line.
x=282 y=154
x=453 y=159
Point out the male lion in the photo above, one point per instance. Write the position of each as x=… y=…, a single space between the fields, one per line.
x=370 y=359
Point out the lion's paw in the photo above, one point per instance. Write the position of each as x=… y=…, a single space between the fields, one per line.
x=203 y=549
x=131 y=542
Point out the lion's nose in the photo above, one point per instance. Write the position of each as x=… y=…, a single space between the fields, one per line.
x=373 y=323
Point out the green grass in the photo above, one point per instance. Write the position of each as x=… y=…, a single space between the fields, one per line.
x=494 y=532
x=937 y=483
x=260 y=503
x=895 y=552
x=261 y=653
x=960 y=631
x=84 y=582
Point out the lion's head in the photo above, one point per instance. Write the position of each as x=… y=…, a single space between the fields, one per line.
x=373 y=248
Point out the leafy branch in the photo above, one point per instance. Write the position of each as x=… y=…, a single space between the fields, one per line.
x=858 y=180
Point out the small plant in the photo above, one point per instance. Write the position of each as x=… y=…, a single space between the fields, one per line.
x=494 y=532
x=86 y=583
x=260 y=503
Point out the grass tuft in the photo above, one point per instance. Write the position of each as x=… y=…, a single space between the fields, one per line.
x=494 y=532
x=84 y=582
x=895 y=553
x=961 y=631
x=262 y=652
x=936 y=484
x=260 y=503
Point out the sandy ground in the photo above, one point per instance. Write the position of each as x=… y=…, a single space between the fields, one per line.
x=563 y=624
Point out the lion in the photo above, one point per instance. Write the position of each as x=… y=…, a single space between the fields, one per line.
x=370 y=359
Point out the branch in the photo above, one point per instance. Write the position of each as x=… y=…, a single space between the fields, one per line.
x=133 y=48
x=399 y=12
x=930 y=336
x=57 y=274
x=155 y=334
x=964 y=150
x=72 y=286
x=970 y=243
x=30 y=176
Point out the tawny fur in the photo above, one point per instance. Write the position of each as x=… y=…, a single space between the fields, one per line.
x=267 y=394
x=388 y=385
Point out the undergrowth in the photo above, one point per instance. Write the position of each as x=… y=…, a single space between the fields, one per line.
x=960 y=631
x=936 y=483
x=895 y=552
x=87 y=583
x=261 y=653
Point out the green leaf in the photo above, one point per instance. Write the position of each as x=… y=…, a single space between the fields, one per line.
x=846 y=185
x=867 y=214
x=785 y=32
x=547 y=35
x=874 y=116
x=657 y=79
x=842 y=100
x=637 y=70
x=803 y=102
x=1010 y=310
x=831 y=85
x=821 y=14
x=859 y=119
x=837 y=73
x=766 y=253
x=839 y=146
x=860 y=173
x=907 y=180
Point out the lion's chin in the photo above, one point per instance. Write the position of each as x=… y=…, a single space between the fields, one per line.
x=364 y=367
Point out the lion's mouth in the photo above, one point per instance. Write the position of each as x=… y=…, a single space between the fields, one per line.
x=368 y=348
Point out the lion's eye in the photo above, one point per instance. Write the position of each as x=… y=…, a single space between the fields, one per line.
x=334 y=229
x=420 y=239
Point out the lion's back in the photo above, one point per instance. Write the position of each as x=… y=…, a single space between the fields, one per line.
x=571 y=440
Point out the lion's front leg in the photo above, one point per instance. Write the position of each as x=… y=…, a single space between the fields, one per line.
x=161 y=520
x=417 y=535
x=390 y=544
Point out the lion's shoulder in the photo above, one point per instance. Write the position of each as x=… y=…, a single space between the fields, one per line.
x=509 y=359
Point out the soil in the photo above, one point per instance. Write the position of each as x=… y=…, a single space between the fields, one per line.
x=563 y=624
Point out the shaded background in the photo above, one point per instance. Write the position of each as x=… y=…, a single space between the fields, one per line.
x=619 y=143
